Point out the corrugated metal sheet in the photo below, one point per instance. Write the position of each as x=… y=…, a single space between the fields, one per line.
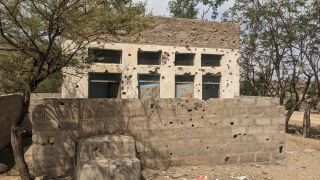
x=149 y=90
x=184 y=90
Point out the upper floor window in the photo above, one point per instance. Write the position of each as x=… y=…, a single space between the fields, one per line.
x=105 y=56
x=149 y=57
x=184 y=59
x=210 y=60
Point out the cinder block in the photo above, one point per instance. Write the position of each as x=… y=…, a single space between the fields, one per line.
x=105 y=146
x=238 y=130
x=262 y=138
x=230 y=102
x=281 y=138
x=213 y=102
x=269 y=110
x=216 y=160
x=215 y=121
x=195 y=122
x=271 y=147
x=261 y=101
x=220 y=149
x=230 y=121
x=239 y=111
x=238 y=148
x=248 y=101
x=231 y=159
x=254 y=129
x=278 y=120
x=264 y=120
x=281 y=110
x=255 y=147
x=203 y=132
x=181 y=152
x=182 y=133
x=247 y=158
x=271 y=129
x=221 y=111
x=170 y=133
x=255 y=111
x=246 y=120
x=222 y=131
x=262 y=157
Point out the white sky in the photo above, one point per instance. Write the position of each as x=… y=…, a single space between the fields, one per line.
x=159 y=8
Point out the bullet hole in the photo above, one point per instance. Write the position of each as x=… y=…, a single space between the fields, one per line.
x=129 y=54
x=170 y=154
x=166 y=145
x=181 y=40
x=77 y=86
x=190 y=119
x=43 y=144
x=235 y=136
x=244 y=134
x=231 y=123
x=171 y=122
x=201 y=117
x=215 y=124
x=189 y=110
x=267 y=139
x=139 y=153
x=280 y=149
x=134 y=68
x=152 y=106
x=51 y=140
x=203 y=110
x=168 y=36
x=124 y=93
x=169 y=66
x=230 y=73
x=127 y=69
x=164 y=124
x=207 y=147
x=192 y=125
x=59 y=126
x=61 y=103
x=181 y=122
x=229 y=60
x=163 y=77
x=226 y=159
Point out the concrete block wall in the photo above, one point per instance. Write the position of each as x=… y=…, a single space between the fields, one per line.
x=168 y=132
x=10 y=106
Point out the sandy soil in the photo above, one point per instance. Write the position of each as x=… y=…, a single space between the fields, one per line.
x=303 y=162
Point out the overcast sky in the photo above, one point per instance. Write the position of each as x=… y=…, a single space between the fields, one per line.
x=159 y=8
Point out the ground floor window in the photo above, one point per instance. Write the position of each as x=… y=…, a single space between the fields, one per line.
x=104 y=85
x=210 y=87
x=149 y=86
x=184 y=86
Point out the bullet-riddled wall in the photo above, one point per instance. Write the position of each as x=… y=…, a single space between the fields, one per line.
x=182 y=45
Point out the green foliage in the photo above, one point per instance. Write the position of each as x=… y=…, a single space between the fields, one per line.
x=38 y=38
x=289 y=104
x=188 y=8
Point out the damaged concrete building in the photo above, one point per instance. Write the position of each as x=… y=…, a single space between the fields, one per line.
x=177 y=58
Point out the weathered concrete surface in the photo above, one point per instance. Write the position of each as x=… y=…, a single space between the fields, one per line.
x=169 y=31
x=167 y=132
x=170 y=36
x=107 y=157
x=10 y=106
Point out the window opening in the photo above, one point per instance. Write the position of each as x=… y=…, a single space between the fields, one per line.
x=105 y=56
x=210 y=60
x=184 y=86
x=184 y=59
x=149 y=86
x=149 y=58
x=104 y=85
x=210 y=87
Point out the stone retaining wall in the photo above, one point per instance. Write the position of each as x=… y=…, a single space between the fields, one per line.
x=168 y=132
x=10 y=106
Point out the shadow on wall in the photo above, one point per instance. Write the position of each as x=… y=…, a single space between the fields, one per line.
x=60 y=123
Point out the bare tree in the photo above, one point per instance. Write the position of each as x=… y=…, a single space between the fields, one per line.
x=31 y=34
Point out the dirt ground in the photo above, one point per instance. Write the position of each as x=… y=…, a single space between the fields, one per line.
x=302 y=155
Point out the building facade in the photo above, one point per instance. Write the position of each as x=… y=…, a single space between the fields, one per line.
x=176 y=58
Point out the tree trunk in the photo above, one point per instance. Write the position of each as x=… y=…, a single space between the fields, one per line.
x=306 y=122
x=288 y=116
x=17 y=146
x=16 y=137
